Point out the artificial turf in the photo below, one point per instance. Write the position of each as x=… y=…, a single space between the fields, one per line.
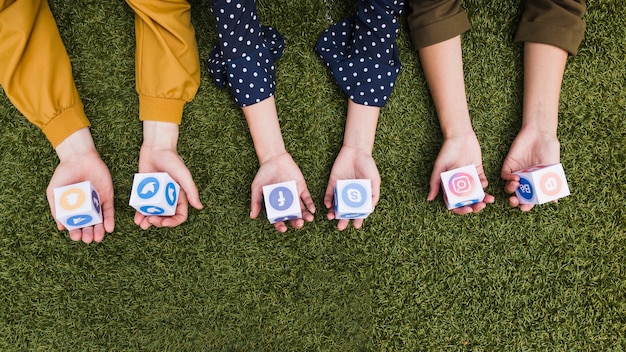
x=416 y=277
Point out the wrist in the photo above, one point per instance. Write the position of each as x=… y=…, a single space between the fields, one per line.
x=77 y=144
x=459 y=133
x=271 y=154
x=160 y=135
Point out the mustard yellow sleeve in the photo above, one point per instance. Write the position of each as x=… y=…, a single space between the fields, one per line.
x=35 y=71
x=167 y=65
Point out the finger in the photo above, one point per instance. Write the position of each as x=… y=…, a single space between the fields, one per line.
x=331 y=214
x=435 y=182
x=306 y=198
x=142 y=221
x=138 y=218
x=478 y=207
x=526 y=207
x=98 y=233
x=182 y=175
x=357 y=223
x=375 y=192
x=76 y=235
x=256 y=200
x=280 y=227
x=508 y=175
x=342 y=224
x=513 y=201
x=329 y=194
x=511 y=186
x=87 y=236
x=108 y=215
x=297 y=223
x=462 y=210
x=489 y=198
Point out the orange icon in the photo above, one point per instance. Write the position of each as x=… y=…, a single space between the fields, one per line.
x=550 y=184
x=72 y=199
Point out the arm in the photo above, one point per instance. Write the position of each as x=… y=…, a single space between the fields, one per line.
x=53 y=104
x=168 y=75
x=276 y=165
x=536 y=142
x=443 y=68
x=355 y=157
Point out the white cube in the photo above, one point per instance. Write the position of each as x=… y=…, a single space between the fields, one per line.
x=282 y=202
x=353 y=199
x=77 y=205
x=461 y=187
x=541 y=183
x=154 y=193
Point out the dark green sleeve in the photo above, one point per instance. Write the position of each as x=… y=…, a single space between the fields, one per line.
x=554 y=22
x=434 y=21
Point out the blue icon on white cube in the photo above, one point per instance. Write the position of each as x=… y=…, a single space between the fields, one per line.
x=154 y=193
x=525 y=189
x=353 y=199
x=171 y=194
x=77 y=205
x=281 y=198
x=148 y=188
x=281 y=202
x=79 y=220
x=151 y=210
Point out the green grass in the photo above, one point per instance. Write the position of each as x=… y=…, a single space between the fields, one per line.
x=416 y=277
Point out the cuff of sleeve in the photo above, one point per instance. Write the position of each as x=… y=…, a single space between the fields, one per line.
x=65 y=123
x=161 y=109
x=440 y=31
x=251 y=77
x=367 y=78
x=563 y=37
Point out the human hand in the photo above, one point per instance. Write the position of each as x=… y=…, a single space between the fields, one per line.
x=158 y=154
x=530 y=147
x=79 y=161
x=281 y=168
x=351 y=163
x=459 y=151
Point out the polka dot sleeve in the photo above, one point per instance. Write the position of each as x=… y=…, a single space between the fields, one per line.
x=361 y=52
x=244 y=58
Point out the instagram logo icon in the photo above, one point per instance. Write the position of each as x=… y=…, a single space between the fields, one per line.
x=461 y=184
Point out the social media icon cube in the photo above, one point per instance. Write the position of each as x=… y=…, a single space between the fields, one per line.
x=154 y=194
x=77 y=205
x=282 y=202
x=541 y=183
x=353 y=199
x=461 y=187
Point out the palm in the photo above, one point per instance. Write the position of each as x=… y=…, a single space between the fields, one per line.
x=88 y=167
x=351 y=163
x=280 y=169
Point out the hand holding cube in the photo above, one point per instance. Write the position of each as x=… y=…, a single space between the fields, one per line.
x=282 y=202
x=461 y=187
x=154 y=194
x=353 y=199
x=77 y=205
x=541 y=183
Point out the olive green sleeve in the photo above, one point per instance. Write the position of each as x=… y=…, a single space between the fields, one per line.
x=554 y=22
x=434 y=21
